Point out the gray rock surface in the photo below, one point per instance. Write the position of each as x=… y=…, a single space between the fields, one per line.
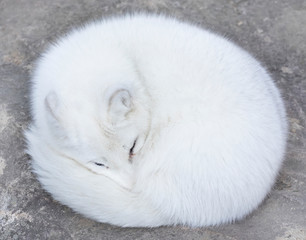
x=273 y=31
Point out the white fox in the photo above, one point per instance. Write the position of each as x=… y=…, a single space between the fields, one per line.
x=145 y=121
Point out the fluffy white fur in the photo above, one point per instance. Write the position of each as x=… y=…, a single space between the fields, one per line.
x=209 y=122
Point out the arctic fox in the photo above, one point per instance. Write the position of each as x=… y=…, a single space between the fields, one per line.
x=144 y=121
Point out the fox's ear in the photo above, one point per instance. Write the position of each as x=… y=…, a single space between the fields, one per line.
x=119 y=105
x=52 y=106
x=54 y=110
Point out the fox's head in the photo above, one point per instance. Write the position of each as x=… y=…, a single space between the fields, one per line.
x=103 y=134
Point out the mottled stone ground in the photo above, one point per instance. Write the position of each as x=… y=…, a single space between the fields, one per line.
x=273 y=31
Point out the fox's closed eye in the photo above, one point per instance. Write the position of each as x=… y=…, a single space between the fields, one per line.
x=100 y=164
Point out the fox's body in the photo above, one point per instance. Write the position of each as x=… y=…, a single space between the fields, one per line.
x=146 y=121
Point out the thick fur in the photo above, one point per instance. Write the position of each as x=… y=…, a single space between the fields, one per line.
x=209 y=124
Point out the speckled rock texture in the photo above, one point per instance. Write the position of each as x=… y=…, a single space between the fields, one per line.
x=273 y=31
